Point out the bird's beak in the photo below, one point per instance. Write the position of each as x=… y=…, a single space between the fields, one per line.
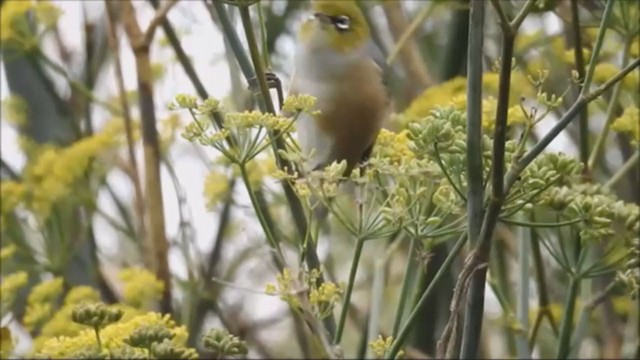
x=324 y=19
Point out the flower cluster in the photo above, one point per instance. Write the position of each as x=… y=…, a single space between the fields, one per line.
x=54 y=172
x=141 y=288
x=114 y=338
x=16 y=31
x=380 y=346
x=322 y=297
x=629 y=124
x=222 y=343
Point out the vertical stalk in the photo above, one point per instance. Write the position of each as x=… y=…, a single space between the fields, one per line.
x=404 y=292
x=357 y=253
x=151 y=146
x=413 y=316
x=475 y=297
x=611 y=113
x=522 y=309
x=567 y=319
x=579 y=59
x=377 y=293
x=475 y=191
x=128 y=122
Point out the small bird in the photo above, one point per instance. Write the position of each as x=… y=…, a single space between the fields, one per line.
x=337 y=62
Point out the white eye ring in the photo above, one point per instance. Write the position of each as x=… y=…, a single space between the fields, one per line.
x=342 y=22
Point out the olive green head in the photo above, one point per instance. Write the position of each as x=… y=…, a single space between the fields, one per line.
x=338 y=25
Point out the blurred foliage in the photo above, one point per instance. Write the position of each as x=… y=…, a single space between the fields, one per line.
x=74 y=281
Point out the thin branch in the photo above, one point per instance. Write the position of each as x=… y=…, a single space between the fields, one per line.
x=126 y=114
x=580 y=69
x=153 y=183
x=566 y=119
x=158 y=19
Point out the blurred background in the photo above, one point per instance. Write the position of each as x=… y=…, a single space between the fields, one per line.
x=60 y=89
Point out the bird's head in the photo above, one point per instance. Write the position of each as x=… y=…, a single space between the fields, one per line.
x=335 y=25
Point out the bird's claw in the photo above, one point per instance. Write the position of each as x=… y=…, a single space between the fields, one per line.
x=273 y=82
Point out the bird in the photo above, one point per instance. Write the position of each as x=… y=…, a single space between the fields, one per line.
x=337 y=62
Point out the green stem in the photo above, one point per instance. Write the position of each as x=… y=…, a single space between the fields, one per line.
x=567 y=319
x=413 y=316
x=610 y=115
x=97 y=332
x=279 y=258
x=579 y=60
x=540 y=224
x=629 y=165
x=522 y=309
x=404 y=293
x=377 y=293
x=596 y=47
x=347 y=296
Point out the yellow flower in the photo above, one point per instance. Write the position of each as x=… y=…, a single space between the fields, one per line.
x=40 y=302
x=604 y=72
x=629 y=123
x=46 y=291
x=394 y=146
x=78 y=294
x=12 y=194
x=36 y=315
x=52 y=174
x=284 y=285
x=381 y=345
x=15 y=28
x=9 y=289
x=141 y=287
x=216 y=188
x=112 y=336
x=7 y=251
x=453 y=92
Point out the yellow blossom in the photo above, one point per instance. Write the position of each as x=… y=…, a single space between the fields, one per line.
x=40 y=302
x=78 y=294
x=112 y=336
x=46 y=291
x=216 y=188
x=7 y=252
x=628 y=123
x=52 y=174
x=9 y=289
x=12 y=194
x=394 y=146
x=285 y=288
x=36 y=315
x=381 y=345
x=604 y=72
x=14 y=26
x=140 y=287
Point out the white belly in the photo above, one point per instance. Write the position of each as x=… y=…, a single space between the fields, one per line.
x=315 y=144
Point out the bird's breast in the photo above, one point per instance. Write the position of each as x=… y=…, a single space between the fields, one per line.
x=352 y=109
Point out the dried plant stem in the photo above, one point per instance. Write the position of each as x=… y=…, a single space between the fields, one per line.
x=128 y=123
x=153 y=198
x=409 y=54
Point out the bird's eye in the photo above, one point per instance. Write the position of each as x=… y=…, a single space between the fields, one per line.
x=342 y=23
